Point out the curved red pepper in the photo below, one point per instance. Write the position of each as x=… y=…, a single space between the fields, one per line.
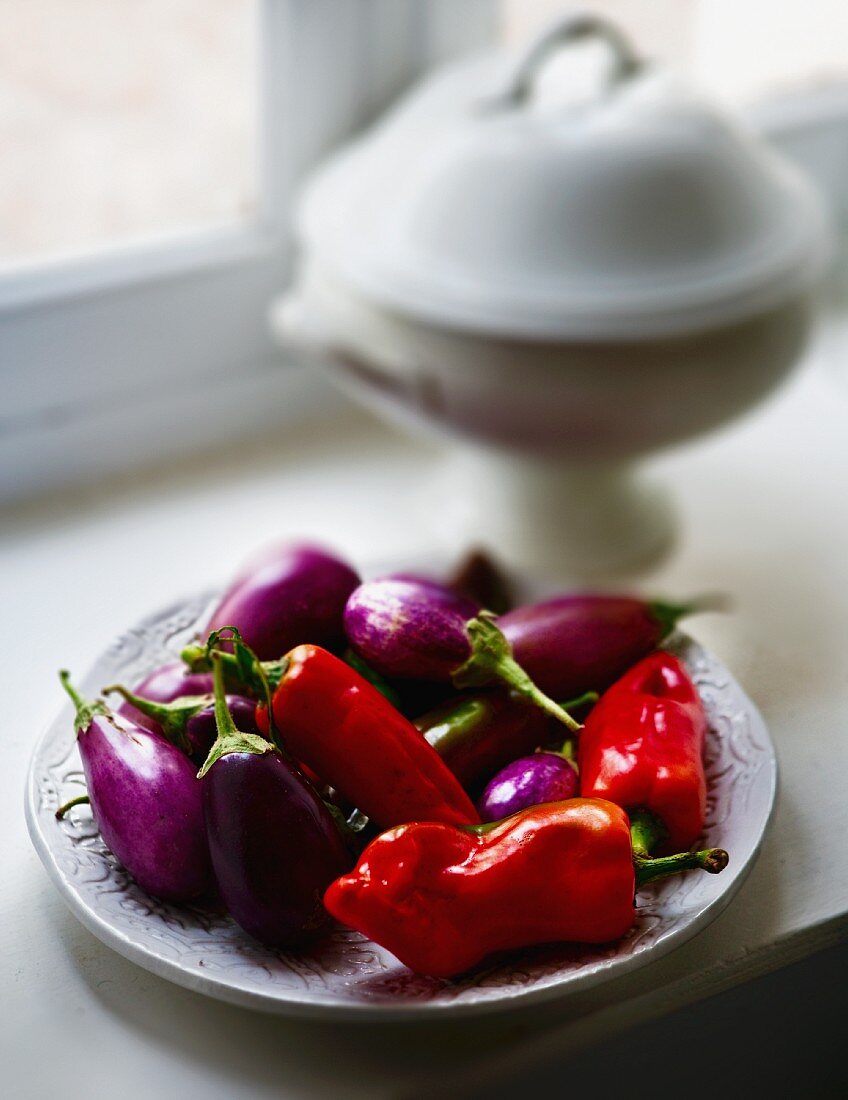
x=342 y=728
x=442 y=899
x=642 y=748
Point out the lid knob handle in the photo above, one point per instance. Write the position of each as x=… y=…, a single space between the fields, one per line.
x=574 y=28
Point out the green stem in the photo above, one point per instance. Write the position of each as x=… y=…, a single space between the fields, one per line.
x=584 y=700
x=86 y=709
x=492 y=660
x=669 y=614
x=239 y=678
x=80 y=800
x=711 y=860
x=568 y=749
x=172 y=717
x=646 y=832
x=230 y=739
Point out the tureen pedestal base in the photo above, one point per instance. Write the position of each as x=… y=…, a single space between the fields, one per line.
x=550 y=518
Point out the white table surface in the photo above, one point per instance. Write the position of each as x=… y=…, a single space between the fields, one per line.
x=763 y=517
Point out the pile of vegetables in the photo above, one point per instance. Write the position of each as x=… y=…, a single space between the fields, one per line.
x=392 y=754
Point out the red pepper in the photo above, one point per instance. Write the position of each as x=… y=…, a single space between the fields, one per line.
x=642 y=748
x=442 y=898
x=343 y=729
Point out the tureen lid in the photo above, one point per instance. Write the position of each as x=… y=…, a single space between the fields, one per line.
x=641 y=211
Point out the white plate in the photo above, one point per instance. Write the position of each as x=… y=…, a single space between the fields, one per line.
x=347 y=975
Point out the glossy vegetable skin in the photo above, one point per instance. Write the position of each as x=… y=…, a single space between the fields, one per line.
x=476 y=735
x=414 y=628
x=146 y=801
x=285 y=596
x=189 y=721
x=642 y=747
x=344 y=730
x=273 y=842
x=528 y=781
x=576 y=643
x=163 y=685
x=443 y=899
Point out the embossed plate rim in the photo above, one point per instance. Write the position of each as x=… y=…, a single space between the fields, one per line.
x=452 y=999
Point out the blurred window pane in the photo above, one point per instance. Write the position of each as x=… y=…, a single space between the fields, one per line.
x=124 y=120
x=740 y=50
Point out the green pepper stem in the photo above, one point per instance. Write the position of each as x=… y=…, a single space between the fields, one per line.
x=230 y=738
x=492 y=660
x=711 y=860
x=646 y=832
x=669 y=614
x=80 y=800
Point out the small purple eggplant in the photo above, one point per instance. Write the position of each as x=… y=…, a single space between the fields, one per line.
x=528 y=781
x=274 y=845
x=171 y=681
x=576 y=643
x=146 y=801
x=189 y=721
x=286 y=596
x=420 y=630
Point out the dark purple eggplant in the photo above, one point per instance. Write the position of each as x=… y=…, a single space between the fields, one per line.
x=286 y=596
x=421 y=630
x=189 y=722
x=171 y=681
x=528 y=781
x=145 y=799
x=479 y=577
x=575 y=643
x=274 y=845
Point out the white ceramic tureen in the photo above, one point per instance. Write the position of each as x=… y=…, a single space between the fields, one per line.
x=562 y=287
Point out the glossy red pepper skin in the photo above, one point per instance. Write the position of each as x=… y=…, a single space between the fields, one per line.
x=642 y=747
x=342 y=728
x=443 y=899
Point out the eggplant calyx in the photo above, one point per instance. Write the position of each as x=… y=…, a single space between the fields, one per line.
x=242 y=674
x=235 y=742
x=173 y=717
x=230 y=739
x=86 y=709
x=491 y=660
x=668 y=615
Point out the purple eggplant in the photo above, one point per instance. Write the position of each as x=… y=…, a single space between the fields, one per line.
x=421 y=630
x=146 y=801
x=171 y=681
x=274 y=845
x=189 y=721
x=479 y=576
x=575 y=643
x=528 y=781
x=286 y=596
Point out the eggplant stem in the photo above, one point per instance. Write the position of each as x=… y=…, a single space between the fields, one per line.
x=80 y=800
x=491 y=660
x=85 y=709
x=668 y=614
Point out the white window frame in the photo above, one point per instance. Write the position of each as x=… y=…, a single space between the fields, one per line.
x=109 y=360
